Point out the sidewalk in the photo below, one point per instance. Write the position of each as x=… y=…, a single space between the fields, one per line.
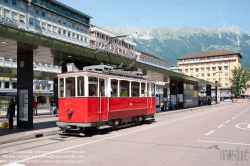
x=41 y=127
x=42 y=113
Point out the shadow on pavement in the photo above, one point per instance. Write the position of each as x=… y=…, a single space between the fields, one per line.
x=36 y=126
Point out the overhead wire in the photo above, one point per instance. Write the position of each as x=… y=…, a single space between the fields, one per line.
x=136 y=19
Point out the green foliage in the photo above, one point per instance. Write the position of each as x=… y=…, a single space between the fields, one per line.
x=240 y=80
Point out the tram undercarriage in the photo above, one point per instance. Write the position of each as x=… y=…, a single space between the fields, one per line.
x=78 y=129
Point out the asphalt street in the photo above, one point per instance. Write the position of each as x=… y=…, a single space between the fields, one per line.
x=218 y=135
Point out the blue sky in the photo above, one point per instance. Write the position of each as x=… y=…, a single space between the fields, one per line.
x=171 y=13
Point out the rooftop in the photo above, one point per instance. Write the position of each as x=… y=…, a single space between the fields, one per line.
x=209 y=54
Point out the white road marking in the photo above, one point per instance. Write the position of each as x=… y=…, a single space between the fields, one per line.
x=227 y=121
x=210 y=132
x=91 y=142
x=220 y=126
x=224 y=142
x=233 y=118
x=244 y=126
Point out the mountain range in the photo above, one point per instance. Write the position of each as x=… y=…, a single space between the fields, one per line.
x=170 y=43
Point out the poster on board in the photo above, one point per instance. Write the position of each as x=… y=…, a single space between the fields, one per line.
x=180 y=96
x=173 y=99
x=23 y=104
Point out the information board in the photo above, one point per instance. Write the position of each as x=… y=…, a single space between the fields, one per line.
x=23 y=104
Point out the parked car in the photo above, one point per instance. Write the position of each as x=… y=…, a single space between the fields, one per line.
x=228 y=100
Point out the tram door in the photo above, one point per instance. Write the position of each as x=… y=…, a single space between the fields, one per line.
x=151 y=98
x=103 y=101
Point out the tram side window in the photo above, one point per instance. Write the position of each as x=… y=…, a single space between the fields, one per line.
x=147 y=90
x=93 y=86
x=152 y=89
x=143 y=90
x=80 y=86
x=124 y=89
x=102 y=86
x=70 y=86
x=61 y=87
x=135 y=89
x=114 y=84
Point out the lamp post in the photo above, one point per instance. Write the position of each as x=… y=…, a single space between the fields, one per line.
x=216 y=88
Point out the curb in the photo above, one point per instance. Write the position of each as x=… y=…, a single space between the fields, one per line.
x=32 y=135
x=3 y=119
x=158 y=114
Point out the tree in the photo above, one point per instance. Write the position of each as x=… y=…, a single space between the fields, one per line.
x=240 y=80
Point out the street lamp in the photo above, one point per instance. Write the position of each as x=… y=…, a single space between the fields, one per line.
x=219 y=75
x=217 y=88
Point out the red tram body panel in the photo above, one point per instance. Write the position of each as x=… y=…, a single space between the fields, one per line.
x=87 y=109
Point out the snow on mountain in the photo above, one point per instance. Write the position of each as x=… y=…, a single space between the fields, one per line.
x=170 y=43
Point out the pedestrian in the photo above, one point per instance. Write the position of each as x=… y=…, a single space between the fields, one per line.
x=11 y=112
x=170 y=105
x=34 y=106
x=178 y=103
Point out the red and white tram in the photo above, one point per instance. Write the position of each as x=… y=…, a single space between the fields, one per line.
x=100 y=96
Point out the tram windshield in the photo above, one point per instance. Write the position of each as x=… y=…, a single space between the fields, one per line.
x=80 y=86
x=93 y=81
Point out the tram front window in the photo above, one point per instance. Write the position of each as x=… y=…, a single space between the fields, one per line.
x=93 y=86
x=61 y=87
x=80 y=86
x=70 y=86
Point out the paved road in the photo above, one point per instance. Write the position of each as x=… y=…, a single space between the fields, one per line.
x=218 y=135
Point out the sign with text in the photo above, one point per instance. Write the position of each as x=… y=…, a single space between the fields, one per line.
x=23 y=104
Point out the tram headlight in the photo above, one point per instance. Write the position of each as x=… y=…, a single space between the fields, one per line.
x=69 y=112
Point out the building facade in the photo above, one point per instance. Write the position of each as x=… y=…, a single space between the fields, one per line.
x=212 y=66
x=48 y=18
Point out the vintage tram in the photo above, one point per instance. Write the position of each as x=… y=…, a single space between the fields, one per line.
x=101 y=96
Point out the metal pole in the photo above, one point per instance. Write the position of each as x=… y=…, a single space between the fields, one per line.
x=216 y=93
